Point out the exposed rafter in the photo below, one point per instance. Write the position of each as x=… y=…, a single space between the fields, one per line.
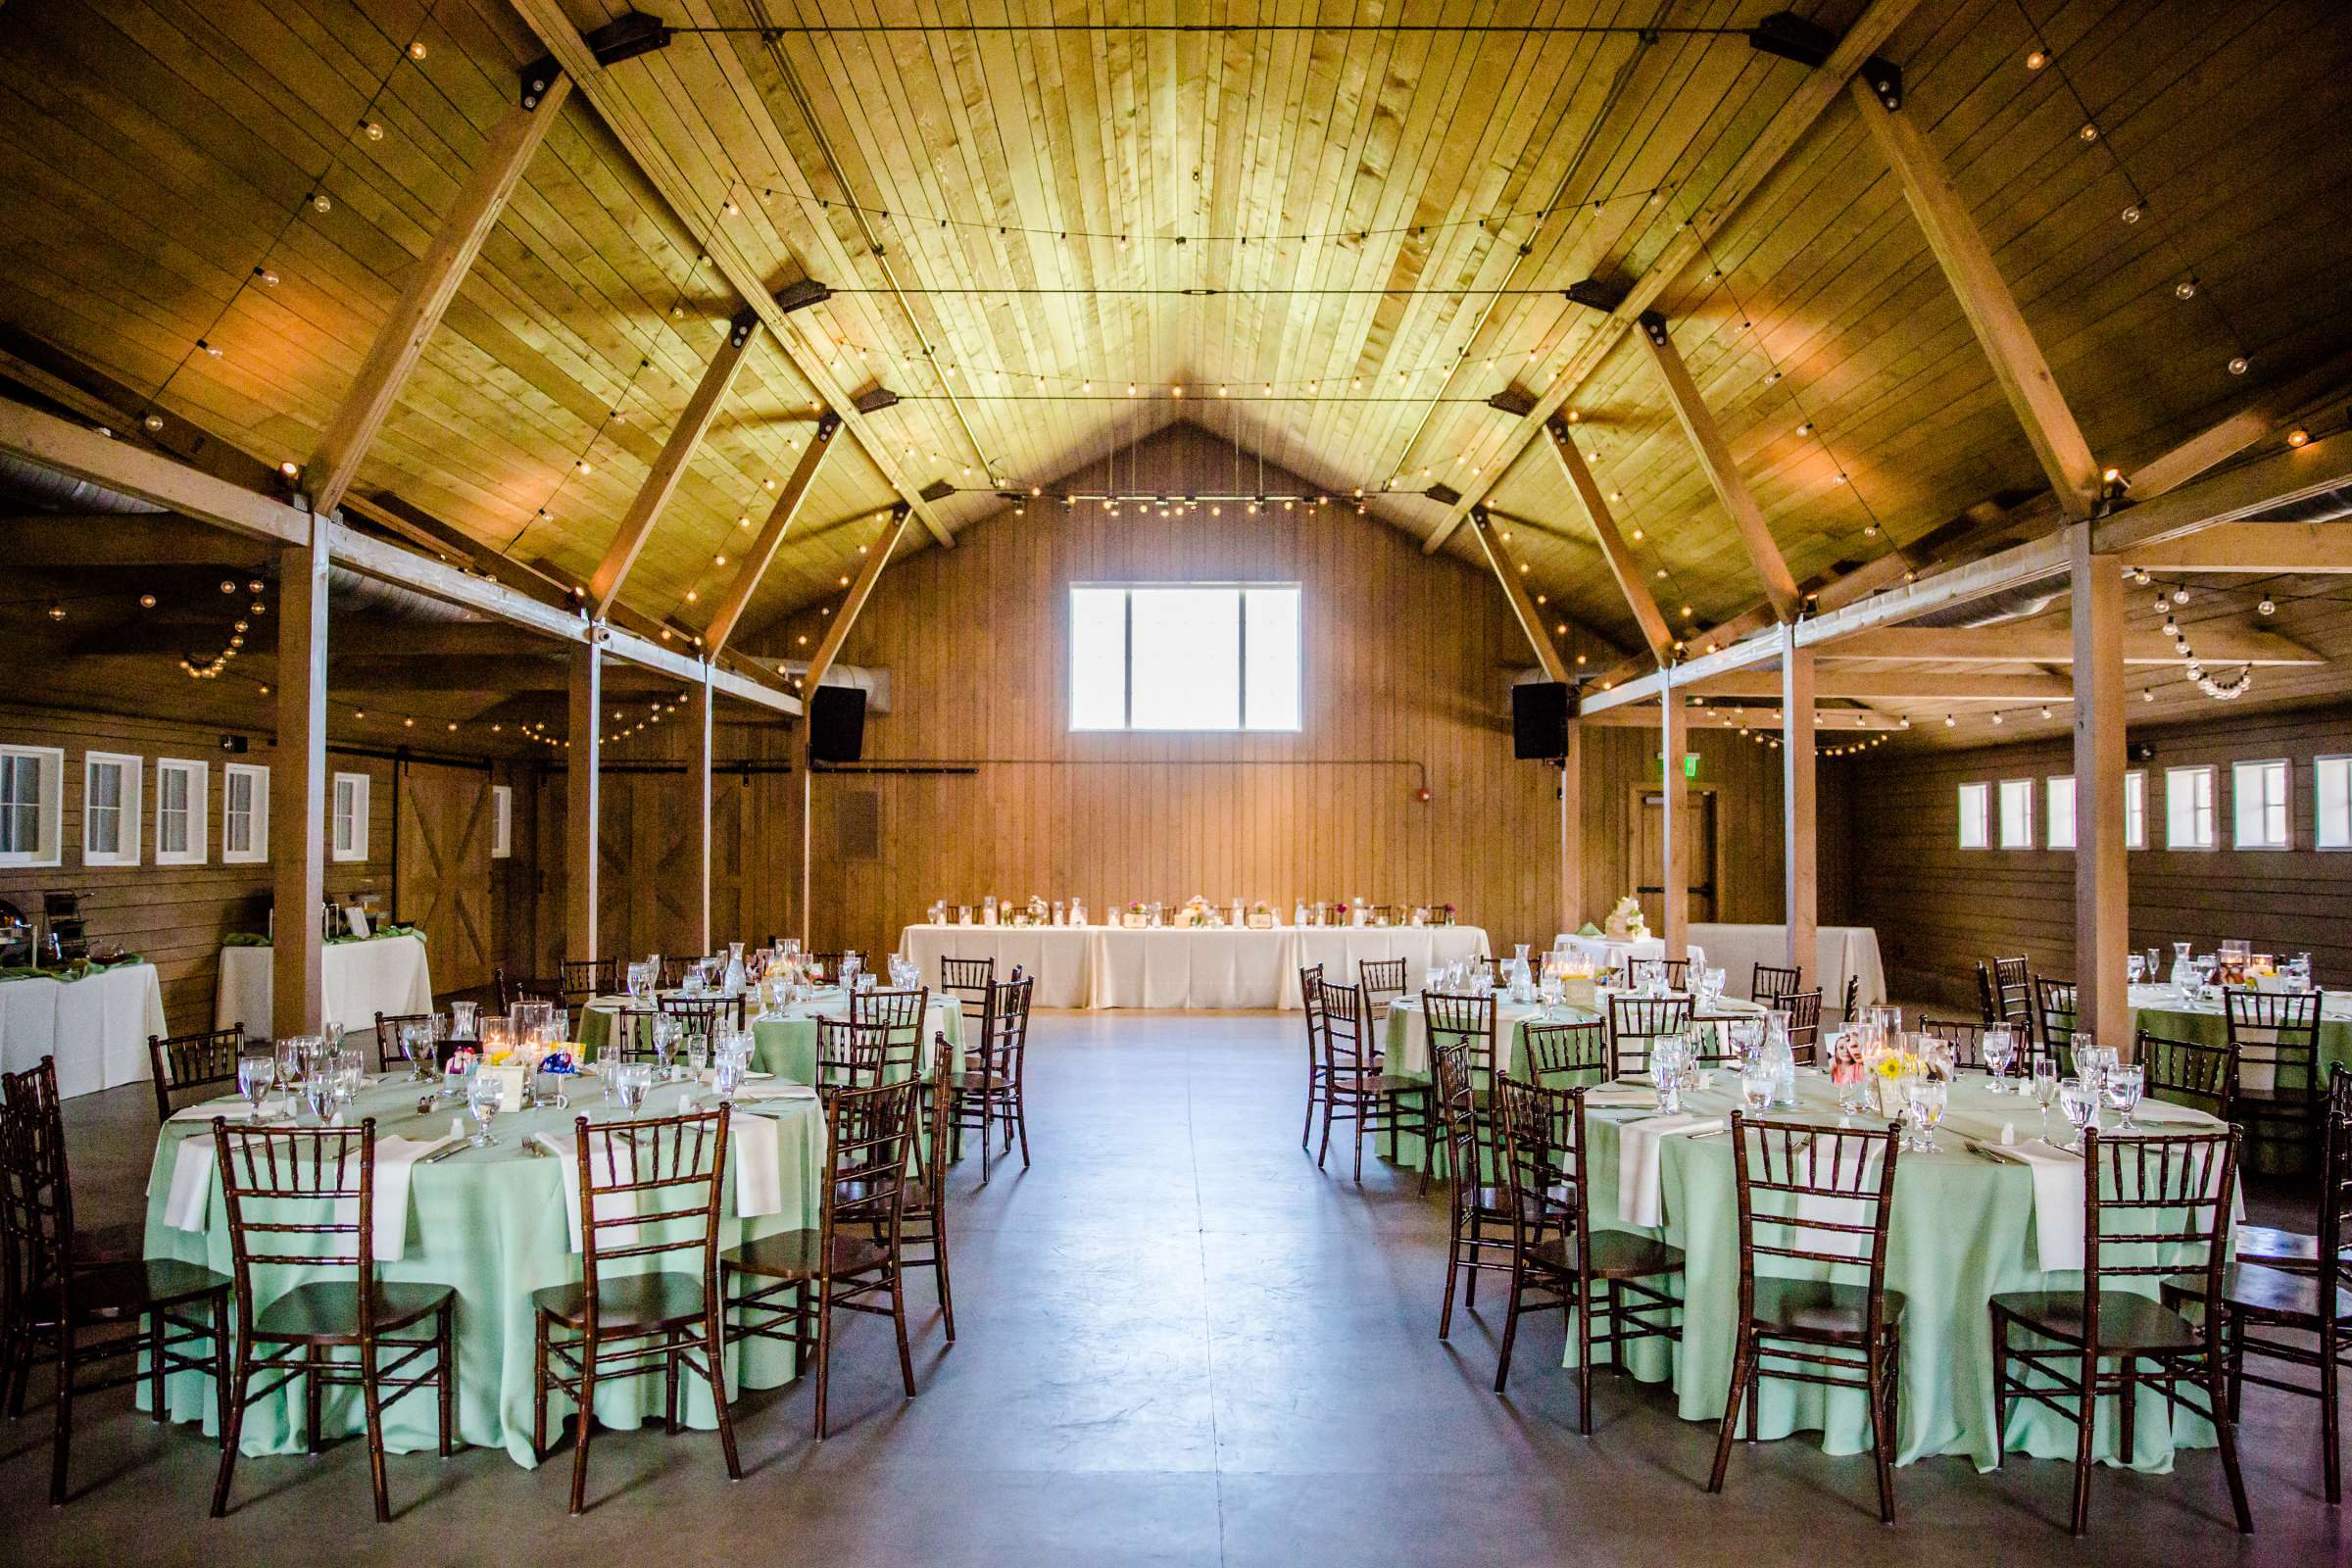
x=861 y=588
x=1523 y=606
x=1622 y=566
x=2030 y=644
x=771 y=534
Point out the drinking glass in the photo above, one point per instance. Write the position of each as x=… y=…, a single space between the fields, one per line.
x=255 y=1072
x=289 y=1052
x=2125 y=1085
x=2000 y=1049
x=698 y=1055
x=2134 y=968
x=665 y=1042
x=1669 y=1065
x=2080 y=1102
x=1434 y=977
x=2046 y=1090
x=319 y=1092
x=633 y=1080
x=416 y=1045
x=462 y=1017
x=1755 y=1082
x=483 y=1098
x=1928 y=1095
x=2155 y=966
x=727 y=1076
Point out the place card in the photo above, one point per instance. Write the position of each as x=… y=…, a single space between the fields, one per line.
x=510 y=1080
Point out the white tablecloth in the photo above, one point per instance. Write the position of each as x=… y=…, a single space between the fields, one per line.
x=96 y=1027
x=1059 y=958
x=1841 y=951
x=1176 y=968
x=383 y=975
x=1341 y=948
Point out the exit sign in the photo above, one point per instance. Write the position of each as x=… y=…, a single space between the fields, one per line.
x=1690 y=764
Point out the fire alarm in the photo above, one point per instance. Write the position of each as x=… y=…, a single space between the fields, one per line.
x=1423 y=794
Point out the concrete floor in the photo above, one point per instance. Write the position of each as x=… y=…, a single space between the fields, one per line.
x=1180 y=1344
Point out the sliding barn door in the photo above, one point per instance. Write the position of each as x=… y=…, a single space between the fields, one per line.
x=444 y=869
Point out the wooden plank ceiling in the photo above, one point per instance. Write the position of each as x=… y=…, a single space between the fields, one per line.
x=1326 y=245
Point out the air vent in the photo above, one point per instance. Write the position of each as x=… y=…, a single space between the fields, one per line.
x=858 y=824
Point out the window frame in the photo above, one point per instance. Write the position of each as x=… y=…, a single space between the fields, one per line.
x=336 y=848
x=2024 y=788
x=259 y=854
x=2138 y=839
x=2050 y=813
x=49 y=820
x=502 y=822
x=197 y=812
x=1982 y=790
x=2319 y=827
x=1127 y=590
x=127 y=808
x=2212 y=827
x=2285 y=809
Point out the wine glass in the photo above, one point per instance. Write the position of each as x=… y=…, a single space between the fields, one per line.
x=255 y=1072
x=484 y=1096
x=666 y=1041
x=2135 y=967
x=2000 y=1049
x=2080 y=1104
x=698 y=1055
x=632 y=1080
x=2125 y=1085
x=2046 y=1090
x=727 y=1076
x=1928 y=1097
x=416 y=1045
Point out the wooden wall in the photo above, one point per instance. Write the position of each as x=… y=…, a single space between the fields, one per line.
x=1940 y=909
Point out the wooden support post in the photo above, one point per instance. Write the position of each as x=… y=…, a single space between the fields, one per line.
x=702 y=821
x=2102 y=876
x=298 y=782
x=1801 y=907
x=1572 y=830
x=400 y=341
x=1622 y=566
x=581 y=849
x=1675 y=790
x=1715 y=461
x=763 y=549
x=1522 y=604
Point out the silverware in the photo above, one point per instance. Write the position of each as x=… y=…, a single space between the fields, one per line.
x=440 y=1154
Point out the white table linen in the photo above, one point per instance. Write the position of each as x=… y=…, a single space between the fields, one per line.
x=96 y=1027
x=1059 y=958
x=383 y=975
x=1341 y=948
x=1840 y=951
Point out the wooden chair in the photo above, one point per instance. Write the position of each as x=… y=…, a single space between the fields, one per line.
x=2151 y=1203
x=1966 y=1038
x=1452 y=1019
x=1677 y=971
x=969 y=981
x=1356 y=1091
x=788 y=1284
x=1479 y=1216
x=290 y=1193
x=648 y=1190
x=1635 y=1021
x=632 y=1036
x=669 y=974
x=2005 y=992
x=1310 y=991
x=206 y=1061
x=2260 y=1304
x=509 y=992
x=900 y=1015
x=850 y=1056
x=1852 y=1001
x=1383 y=981
x=2280 y=1091
x=388 y=1056
x=706 y=1016
x=824 y=968
x=1770 y=981
x=1604 y=1277
x=2053 y=1038
x=1838 y=1187
x=2188 y=1073
x=2297 y=1251
x=1554 y=1051
x=582 y=978
x=76 y=1312
x=923 y=1212
x=1804 y=1011
x=995 y=1092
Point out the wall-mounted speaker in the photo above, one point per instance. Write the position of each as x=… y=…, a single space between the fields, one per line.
x=1540 y=719
x=836 y=720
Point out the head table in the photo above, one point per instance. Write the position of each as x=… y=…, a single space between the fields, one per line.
x=494 y=1224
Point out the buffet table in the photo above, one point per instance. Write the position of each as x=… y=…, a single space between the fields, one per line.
x=96 y=1026
x=386 y=974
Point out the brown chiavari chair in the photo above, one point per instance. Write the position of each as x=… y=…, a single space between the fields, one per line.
x=1551 y=1051
x=511 y=991
x=2151 y=1205
x=706 y=1016
x=2053 y=1038
x=848 y=1055
x=1450 y=1019
x=2282 y=1093
x=74 y=1311
x=994 y=1093
x=1804 y=1011
x=582 y=978
x=632 y=1036
x=1967 y=1039
x=1356 y=1091
x=304 y=1198
x=671 y=973
x=923 y=1211
x=900 y=1015
x=1635 y=1021
x=1555 y=1251
x=788 y=1284
x=387 y=1038
x=650 y=1194
x=825 y=967
x=1838 y=1187
x=2260 y=1304
x=1676 y=972
x=1478 y=1212
x=1494 y=970
x=1770 y=981
x=970 y=981
x=1383 y=981
x=1310 y=990
x=2005 y=992
x=2297 y=1251
x=2188 y=1073
x=206 y=1061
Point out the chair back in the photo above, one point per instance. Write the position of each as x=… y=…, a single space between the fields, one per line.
x=1553 y=1050
x=1384 y=982
x=1459 y=1020
x=2188 y=1073
x=1541 y=1134
x=1828 y=1195
x=1769 y=982
x=2335 y=1184
x=849 y=1055
x=299 y=1198
x=1005 y=1046
x=2054 y=1020
x=704 y=1016
x=2005 y=991
x=1311 y=992
x=1635 y=1021
x=1455 y=1068
x=1804 y=1011
x=825 y=966
x=184 y=1062
x=900 y=1013
x=1676 y=972
x=970 y=981
x=1966 y=1039
x=632 y=1037
x=648 y=1189
x=867 y=1135
x=583 y=978
x=1852 y=999
x=36 y=1194
x=2157 y=1205
x=2276 y=1034
x=387 y=1037
x=1347 y=1036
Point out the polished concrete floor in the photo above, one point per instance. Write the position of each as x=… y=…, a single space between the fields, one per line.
x=1180 y=1344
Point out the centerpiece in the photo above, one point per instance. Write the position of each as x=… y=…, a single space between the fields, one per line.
x=1261 y=916
x=1196 y=913
x=1133 y=918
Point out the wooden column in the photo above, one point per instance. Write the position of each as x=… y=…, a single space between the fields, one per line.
x=298 y=789
x=701 y=823
x=1676 y=897
x=581 y=851
x=2103 y=879
x=1801 y=906
x=1572 y=829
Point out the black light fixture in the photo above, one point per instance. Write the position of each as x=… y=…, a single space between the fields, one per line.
x=801 y=295
x=935 y=490
x=1791 y=38
x=1595 y=294
x=624 y=37
x=1515 y=400
x=1445 y=495
x=874 y=399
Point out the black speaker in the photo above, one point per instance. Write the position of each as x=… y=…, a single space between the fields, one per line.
x=836 y=725
x=1539 y=720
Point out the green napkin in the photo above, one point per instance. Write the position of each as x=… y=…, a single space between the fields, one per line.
x=1588 y=929
x=79 y=969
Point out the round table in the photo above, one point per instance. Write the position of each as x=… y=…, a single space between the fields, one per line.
x=785 y=1036
x=1406 y=1043
x=491 y=1223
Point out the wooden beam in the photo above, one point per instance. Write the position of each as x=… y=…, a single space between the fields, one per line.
x=699 y=770
x=1895 y=685
x=297 y=809
x=756 y=561
x=1523 y=606
x=1715 y=462
x=1800 y=904
x=828 y=647
x=2038 y=644
x=2266 y=484
x=582 y=766
x=2315 y=549
x=1829 y=722
x=431 y=285
x=1797 y=116
x=1984 y=299
x=669 y=464
x=122 y=539
x=1622 y=566
x=83 y=454
x=2102 y=880
x=697 y=209
x=2271 y=408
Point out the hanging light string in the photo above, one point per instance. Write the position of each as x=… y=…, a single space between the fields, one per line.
x=580 y=466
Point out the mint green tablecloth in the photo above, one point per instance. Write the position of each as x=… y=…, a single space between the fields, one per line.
x=2162 y=1010
x=491 y=1223
x=785 y=1040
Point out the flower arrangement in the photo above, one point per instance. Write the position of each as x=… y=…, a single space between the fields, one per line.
x=1627 y=923
x=1196 y=912
x=1261 y=916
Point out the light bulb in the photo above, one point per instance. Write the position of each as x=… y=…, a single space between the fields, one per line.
x=2267 y=607
x=2091 y=133
x=147 y=601
x=2185 y=289
x=2037 y=60
x=416 y=50
x=376 y=131
x=2238 y=365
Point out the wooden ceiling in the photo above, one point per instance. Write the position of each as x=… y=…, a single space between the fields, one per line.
x=1337 y=232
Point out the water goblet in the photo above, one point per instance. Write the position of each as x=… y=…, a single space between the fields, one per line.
x=727 y=1076
x=2046 y=1090
x=698 y=1055
x=1755 y=1083
x=484 y=1096
x=2080 y=1104
x=1928 y=1097
x=256 y=1074
x=2134 y=968
x=635 y=1079
x=1999 y=1047
x=2125 y=1085
x=318 y=1093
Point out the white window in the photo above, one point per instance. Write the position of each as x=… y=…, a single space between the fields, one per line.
x=2016 y=813
x=181 y=822
x=2189 y=807
x=109 y=808
x=2331 y=803
x=2058 y=813
x=244 y=814
x=32 y=804
x=347 y=838
x=1184 y=656
x=502 y=822
x=1975 y=816
x=2135 y=809
x=2258 y=797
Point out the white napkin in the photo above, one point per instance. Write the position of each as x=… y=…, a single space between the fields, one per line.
x=1621 y=1096
x=759 y=1166
x=189 y=1206
x=2057 y=1199
x=1638 y=1152
x=609 y=1205
x=783 y=1091
x=395 y=1162
x=232 y=1110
